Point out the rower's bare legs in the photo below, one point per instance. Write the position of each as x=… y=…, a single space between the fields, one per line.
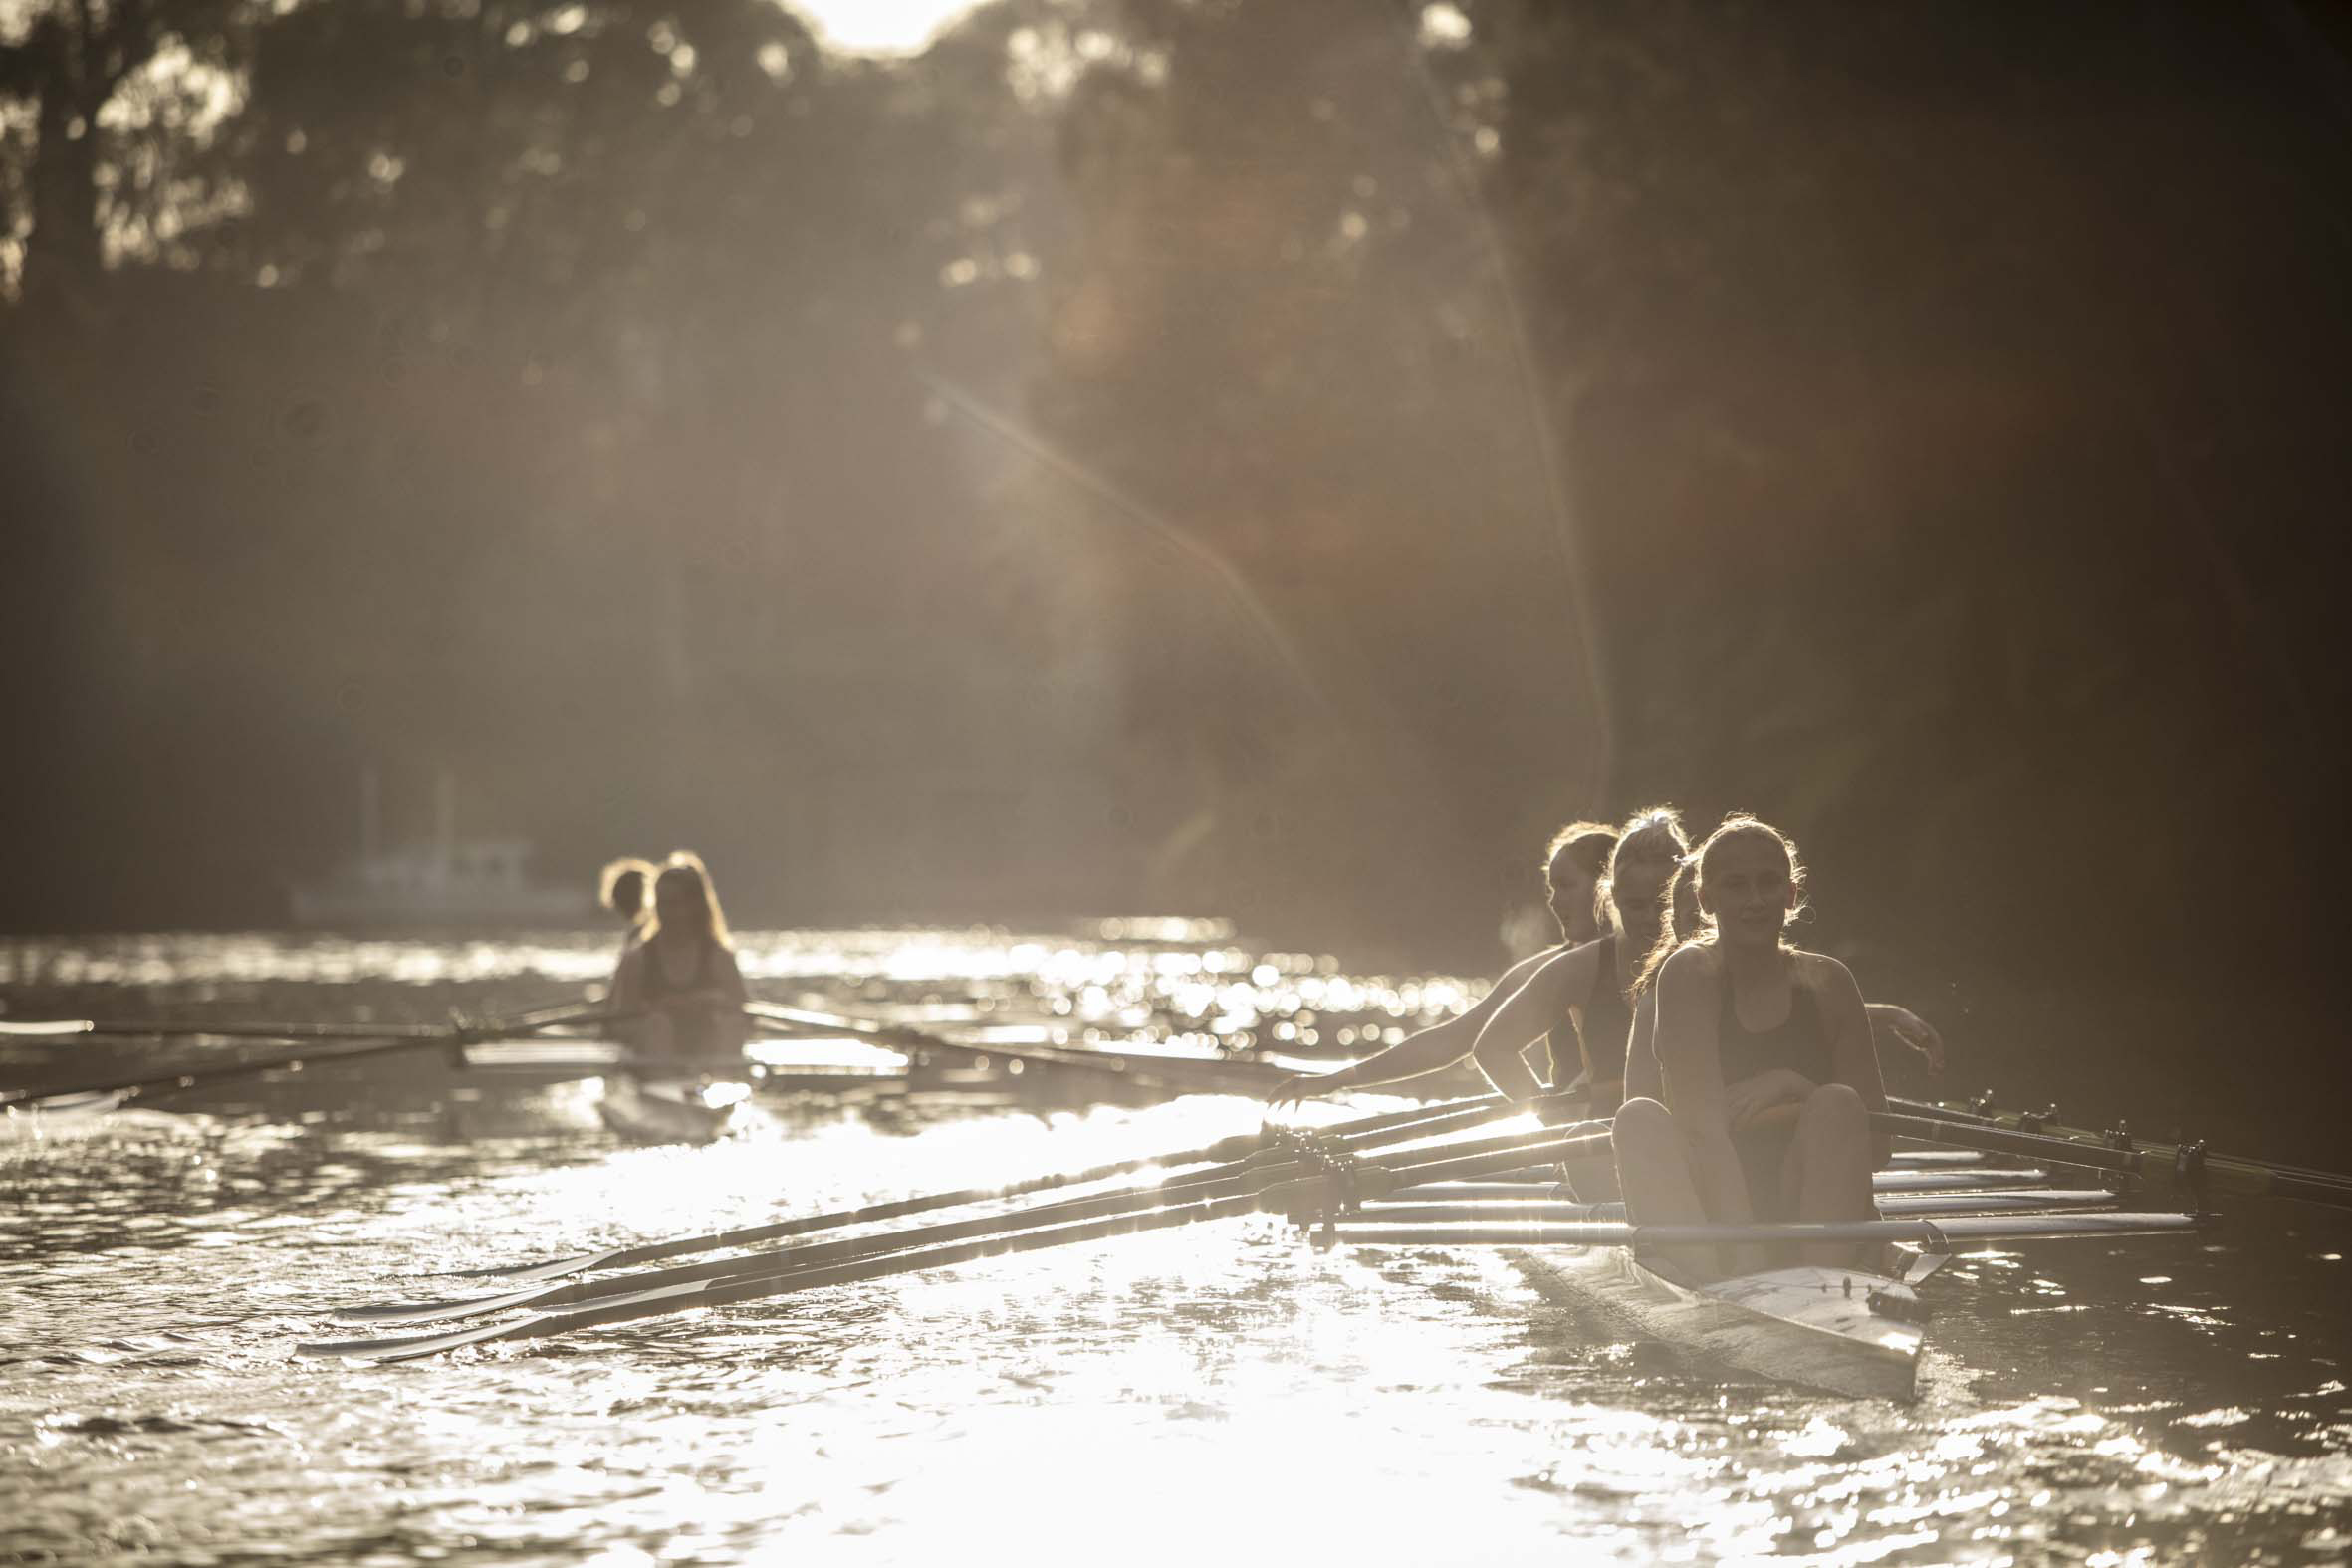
x=1656 y=1178
x=1828 y=1170
x=1592 y=1178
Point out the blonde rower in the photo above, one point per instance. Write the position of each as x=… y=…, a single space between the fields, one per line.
x=1768 y=1074
x=683 y=977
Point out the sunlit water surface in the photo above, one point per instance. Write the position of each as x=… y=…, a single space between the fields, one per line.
x=1219 y=1389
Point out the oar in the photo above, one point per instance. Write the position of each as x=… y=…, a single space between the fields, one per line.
x=1293 y=1187
x=1255 y=1172
x=94 y=1028
x=1418 y=1211
x=2188 y=1164
x=726 y=1292
x=404 y=1038
x=1898 y=1182
x=1177 y=1073
x=1938 y=1234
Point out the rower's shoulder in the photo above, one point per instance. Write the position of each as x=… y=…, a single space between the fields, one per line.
x=1694 y=964
x=1820 y=973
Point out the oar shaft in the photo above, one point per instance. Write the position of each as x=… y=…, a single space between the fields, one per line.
x=755 y=1287
x=1281 y=1179
x=1363 y=1133
x=897 y=1208
x=1179 y=1072
x=374 y=1045
x=1272 y=1186
x=2220 y=1173
x=1931 y=1233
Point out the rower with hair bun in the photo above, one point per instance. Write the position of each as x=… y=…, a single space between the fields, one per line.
x=1768 y=1077
x=1580 y=998
x=682 y=977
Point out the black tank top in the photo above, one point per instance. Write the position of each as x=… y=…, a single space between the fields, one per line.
x=1797 y=1043
x=1600 y=1023
x=694 y=1032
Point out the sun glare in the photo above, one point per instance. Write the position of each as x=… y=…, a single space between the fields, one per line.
x=878 y=27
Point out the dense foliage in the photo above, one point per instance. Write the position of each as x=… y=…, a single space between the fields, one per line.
x=1265 y=458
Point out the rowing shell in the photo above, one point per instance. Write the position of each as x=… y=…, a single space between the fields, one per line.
x=1845 y=1331
x=670 y=1110
x=1850 y=1331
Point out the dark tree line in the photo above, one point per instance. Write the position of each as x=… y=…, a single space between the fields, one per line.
x=1273 y=459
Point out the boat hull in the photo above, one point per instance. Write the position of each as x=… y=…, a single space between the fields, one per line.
x=663 y=1110
x=1815 y=1327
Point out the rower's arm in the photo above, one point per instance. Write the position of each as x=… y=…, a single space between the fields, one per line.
x=1641 y=1057
x=1431 y=1050
x=627 y=994
x=1908 y=1029
x=729 y=1027
x=1532 y=1009
x=1691 y=1072
x=1853 y=1056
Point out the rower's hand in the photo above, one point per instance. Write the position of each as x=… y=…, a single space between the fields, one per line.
x=1298 y=1089
x=1906 y=1029
x=1560 y=1110
x=1751 y=1098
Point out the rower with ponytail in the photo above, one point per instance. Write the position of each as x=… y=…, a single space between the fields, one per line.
x=1767 y=1074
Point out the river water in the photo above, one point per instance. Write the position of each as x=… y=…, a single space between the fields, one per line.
x=1221 y=1389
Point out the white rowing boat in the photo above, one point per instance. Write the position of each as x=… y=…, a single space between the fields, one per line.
x=1845 y=1331
x=1850 y=1331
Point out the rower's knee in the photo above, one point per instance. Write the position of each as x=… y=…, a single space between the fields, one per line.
x=1833 y=1110
x=1639 y=1124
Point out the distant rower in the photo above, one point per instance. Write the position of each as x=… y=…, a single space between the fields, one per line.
x=682 y=975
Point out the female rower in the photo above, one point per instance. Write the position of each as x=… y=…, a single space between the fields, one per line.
x=682 y=976
x=1572 y=866
x=1766 y=1069
x=1580 y=996
x=1890 y=1024
x=1584 y=994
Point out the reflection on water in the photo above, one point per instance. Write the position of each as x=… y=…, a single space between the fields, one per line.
x=1219 y=1389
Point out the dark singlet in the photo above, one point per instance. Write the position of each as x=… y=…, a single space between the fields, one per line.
x=1797 y=1043
x=690 y=1030
x=1600 y=1024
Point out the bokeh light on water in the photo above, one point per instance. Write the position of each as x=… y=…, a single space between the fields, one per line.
x=1221 y=1389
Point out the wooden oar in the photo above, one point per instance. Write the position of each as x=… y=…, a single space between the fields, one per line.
x=2188 y=1166
x=1295 y=1186
x=397 y=1038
